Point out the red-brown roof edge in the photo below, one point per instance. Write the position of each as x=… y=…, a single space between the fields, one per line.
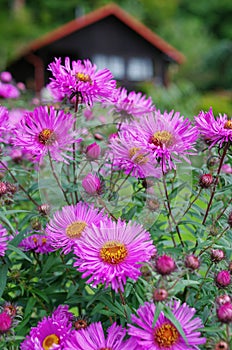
x=98 y=14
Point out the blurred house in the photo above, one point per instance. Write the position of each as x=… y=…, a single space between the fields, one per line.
x=109 y=37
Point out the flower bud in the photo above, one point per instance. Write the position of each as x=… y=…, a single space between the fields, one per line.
x=3 y=188
x=192 y=262
x=93 y=151
x=92 y=184
x=44 y=209
x=223 y=279
x=230 y=219
x=6 y=77
x=98 y=136
x=206 y=180
x=16 y=155
x=160 y=294
x=217 y=255
x=165 y=265
x=222 y=345
x=11 y=188
x=230 y=266
x=5 y=322
x=223 y=299
x=224 y=313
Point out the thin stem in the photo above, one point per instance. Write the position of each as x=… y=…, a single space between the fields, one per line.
x=57 y=180
x=206 y=274
x=216 y=182
x=102 y=203
x=123 y=303
x=20 y=186
x=120 y=186
x=170 y=210
x=214 y=241
x=223 y=211
x=193 y=201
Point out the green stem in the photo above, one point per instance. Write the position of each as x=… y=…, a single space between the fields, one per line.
x=215 y=182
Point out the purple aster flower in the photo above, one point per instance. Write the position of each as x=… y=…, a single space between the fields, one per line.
x=130 y=157
x=213 y=130
x=112 y=252
x=46 y=130
x=4 y=237
x=131 y=104
x=70 y=224
x=50 y=333
x=8 y=91
x=37 y=243
x=81 y=79
x=167 y=136
x=93 y=338
x=164 y=335
x=4 y=123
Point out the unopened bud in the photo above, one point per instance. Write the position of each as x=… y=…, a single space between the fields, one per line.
x=92 y=184
x=217 y=255
x=165 y=265
x=192 y=262
x=93 y=151
x=160 y=294
x=223 y=279
x=44 y=209
x=222 y=345
x=3 y=188
x=224 y=313
x=206 y=180
x=5 y=322
x=230 y=219
x=223 y=299
x=11 y=188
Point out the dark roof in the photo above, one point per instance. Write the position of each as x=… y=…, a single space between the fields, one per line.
x=99 y=14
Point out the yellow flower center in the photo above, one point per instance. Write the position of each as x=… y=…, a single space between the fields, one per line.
x=49 y=341
x=83 y=77
x=105 y=349
x=80 y=324
x=166 y=335
x=228 y=124
x=113 y=252
x=162 y=137
x=47 y=137
x=140 y=158
x=75 y=229
x=44 y=240
x=35 y=240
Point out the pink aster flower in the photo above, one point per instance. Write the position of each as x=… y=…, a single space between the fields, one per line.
x=213 y=130
x=70 y=224
x=4 y=237
x=37 y=243
x=167 y=136
x=93 y=338
x=82 y=79
x=8 y=91
x=129 y=156
x=50 y=333
x=5 y=77
x=131 y=104
x=164 y=335
x=112 y=252
x=46 y=130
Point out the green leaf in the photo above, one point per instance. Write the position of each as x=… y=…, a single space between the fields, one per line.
x=3 y=277
x=19 y=252
x=168 y=313
x=158 y=309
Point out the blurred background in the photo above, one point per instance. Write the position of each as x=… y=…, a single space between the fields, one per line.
x=201 y=30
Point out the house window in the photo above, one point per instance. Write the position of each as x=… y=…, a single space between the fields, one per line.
x=139 y=69
x=115 y=64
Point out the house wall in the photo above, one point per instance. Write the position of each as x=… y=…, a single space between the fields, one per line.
x=111 y=42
